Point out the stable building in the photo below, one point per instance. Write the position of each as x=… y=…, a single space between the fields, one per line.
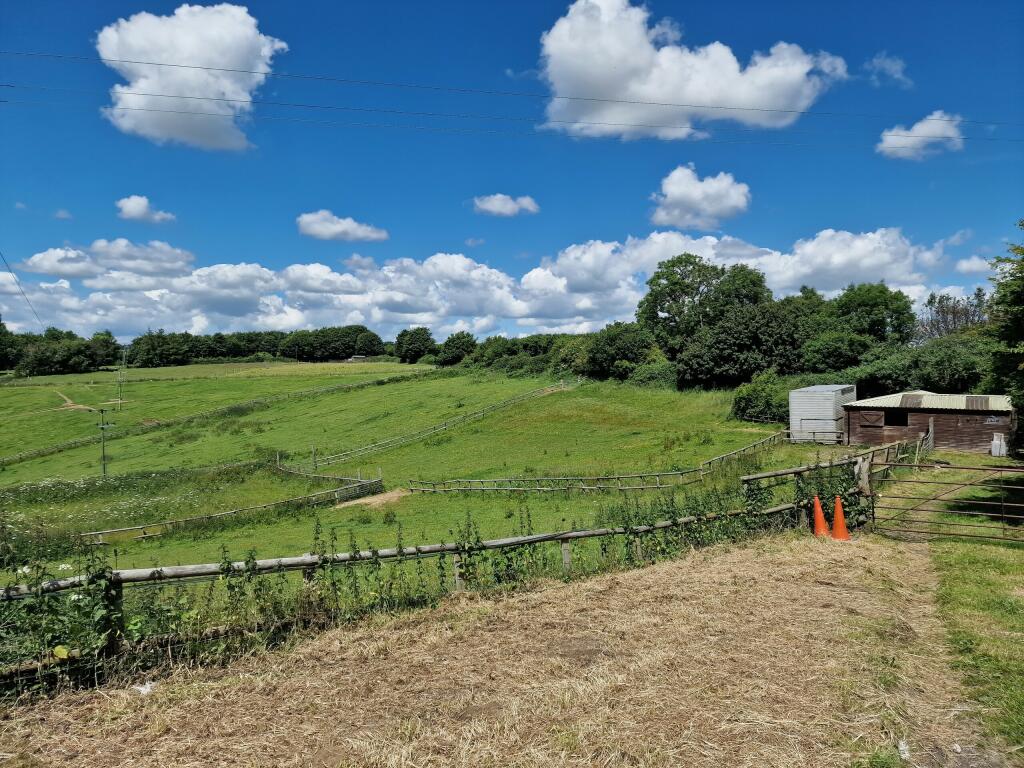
x=978 y=423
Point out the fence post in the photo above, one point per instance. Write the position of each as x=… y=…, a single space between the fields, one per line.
x=313 y=453
x=111 y=623
x=460 y=582
x=566 y=558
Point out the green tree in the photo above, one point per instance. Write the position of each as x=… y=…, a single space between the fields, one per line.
x=834 y=350
x=873 y=309
x=455 y=348
x=617 y=349
x=1007 y=318
x=674 y=307
x=413 y=343
x=369 y=344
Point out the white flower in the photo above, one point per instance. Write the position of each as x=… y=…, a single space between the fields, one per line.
x=64 y=567
x=25 y=569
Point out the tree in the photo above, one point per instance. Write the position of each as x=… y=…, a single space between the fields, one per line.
x=834 y=350
x=104 y=349
x=369 y=344
x=413 y=343
x=750 y=339
x=674 y=308
x=943 y=314
x=617 y=349
x=455 y=348
x=10 y=348
x=1007 y=317
x=873 y=309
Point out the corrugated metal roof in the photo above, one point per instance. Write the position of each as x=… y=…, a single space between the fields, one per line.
x=922 y=400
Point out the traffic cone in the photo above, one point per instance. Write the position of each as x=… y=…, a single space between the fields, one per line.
x=820 y=526
x=839 y=531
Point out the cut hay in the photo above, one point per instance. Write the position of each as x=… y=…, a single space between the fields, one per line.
x=784 y=652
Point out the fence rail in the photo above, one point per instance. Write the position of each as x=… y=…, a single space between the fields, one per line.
x=309 y=560
x=394 y=442
x=638 y=481
x=355 y=490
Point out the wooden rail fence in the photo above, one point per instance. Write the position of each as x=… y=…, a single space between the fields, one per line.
x=632 y=482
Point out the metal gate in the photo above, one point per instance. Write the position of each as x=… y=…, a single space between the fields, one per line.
x=948 y=500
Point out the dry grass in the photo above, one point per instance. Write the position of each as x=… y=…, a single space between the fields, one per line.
x=784 y=652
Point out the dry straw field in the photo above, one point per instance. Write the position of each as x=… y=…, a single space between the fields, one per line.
x=784 y=651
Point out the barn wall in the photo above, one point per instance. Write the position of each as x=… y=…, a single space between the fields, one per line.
x=961 y=431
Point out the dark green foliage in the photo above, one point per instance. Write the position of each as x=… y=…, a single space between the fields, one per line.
x=748 y=340
x=616 y=350
x=834 y=350
x=1007 y=312
x=660 y=374
x=765 y=398
x=943 y=314
x=456 y=348
x=413 y=343
x=874 y=309
x=369 y=344
x=58 y=351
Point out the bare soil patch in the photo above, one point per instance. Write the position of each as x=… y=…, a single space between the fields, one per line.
x=377 y=500
x=783 y=652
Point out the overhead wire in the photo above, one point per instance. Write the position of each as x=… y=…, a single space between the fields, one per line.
x=476 y=91
x=24 y=295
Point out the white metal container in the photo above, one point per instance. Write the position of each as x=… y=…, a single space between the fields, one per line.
x=816 y=413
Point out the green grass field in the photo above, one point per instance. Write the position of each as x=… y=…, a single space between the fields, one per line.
x=45 y=410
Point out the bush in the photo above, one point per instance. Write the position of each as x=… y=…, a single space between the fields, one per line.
x=455 y=348
x=616 y=349
x=765 y=398
x=427 y=360
x=660 y=375
x=835 y=350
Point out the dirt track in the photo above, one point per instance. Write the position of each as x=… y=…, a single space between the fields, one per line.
x=784 y=652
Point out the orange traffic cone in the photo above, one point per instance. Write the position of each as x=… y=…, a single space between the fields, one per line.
x=820 y=526
x=839 y=531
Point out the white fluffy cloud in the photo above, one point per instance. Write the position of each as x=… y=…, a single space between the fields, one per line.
x=608 y=65
x=324 y=225
x=137 y=208
x=973 y=265
x=690 y=202
x=505 y=205
x=934 y=133
x=884 y=68
x=222 y=36
x=129 y=287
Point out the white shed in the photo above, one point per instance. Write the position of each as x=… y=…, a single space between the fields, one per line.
x=816 y=413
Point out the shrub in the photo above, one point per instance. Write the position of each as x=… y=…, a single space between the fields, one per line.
x=660 y=374
x=616 y=349
x=455 y=348
x=765 y=398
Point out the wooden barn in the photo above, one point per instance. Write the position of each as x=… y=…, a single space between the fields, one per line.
x=962 y=422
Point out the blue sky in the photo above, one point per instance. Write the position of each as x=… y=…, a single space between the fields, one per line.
x=402 y=222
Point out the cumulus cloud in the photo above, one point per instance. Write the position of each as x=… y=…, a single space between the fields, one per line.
x=884 y=68
x=62 y=262
x=973 y=265
x=223 y=37
x=505 y=205
x=63 y=214
x=324 y=225
x=690 y=202
x=580 y=288
x=473 y=242
x=928 y=136
x=607 y=65
x=137 y=208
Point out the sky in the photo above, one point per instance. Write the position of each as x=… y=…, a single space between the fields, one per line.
x=491 y=167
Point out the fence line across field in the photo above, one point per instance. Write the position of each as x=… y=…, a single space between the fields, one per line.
x=141 y=429
x=357 y=489
x=307 y=561
x=394 y=442
x=647 y=480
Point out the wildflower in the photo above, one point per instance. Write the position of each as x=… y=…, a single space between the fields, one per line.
x=64 y=567
x=25 y=569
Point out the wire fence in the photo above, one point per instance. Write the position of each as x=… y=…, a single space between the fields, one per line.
x=399 y=440
x=238 y=408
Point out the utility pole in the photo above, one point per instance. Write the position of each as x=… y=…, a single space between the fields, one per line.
x=104 y=426
x=120 y=377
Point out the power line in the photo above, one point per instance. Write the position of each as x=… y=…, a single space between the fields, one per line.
x=400 y=126
x=459 y=115
x=24 y=295
x=476 y=91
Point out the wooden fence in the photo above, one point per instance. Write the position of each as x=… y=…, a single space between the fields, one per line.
x=394 y=442
x=309 y=561
x=639 y=481
x=357 y=489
